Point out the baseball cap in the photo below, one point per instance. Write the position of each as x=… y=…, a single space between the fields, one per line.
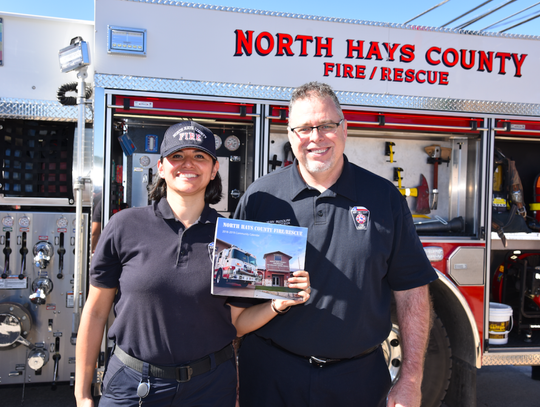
x=188 y=134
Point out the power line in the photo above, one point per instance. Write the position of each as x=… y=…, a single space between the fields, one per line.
x=500 y=21
x=427 y=11
x=523 y=22
x=474 y=20
x=468 y=12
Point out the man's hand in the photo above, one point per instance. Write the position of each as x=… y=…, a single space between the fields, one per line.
x=405 y=393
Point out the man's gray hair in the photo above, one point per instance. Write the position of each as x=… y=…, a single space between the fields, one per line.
x=316 y=90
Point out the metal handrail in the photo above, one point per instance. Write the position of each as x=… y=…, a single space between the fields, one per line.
x=185 y=111
x=424 y=126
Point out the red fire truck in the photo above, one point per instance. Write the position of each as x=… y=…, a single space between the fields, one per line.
x=452 y=117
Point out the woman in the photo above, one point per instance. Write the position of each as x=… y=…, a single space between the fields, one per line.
x=172 y=337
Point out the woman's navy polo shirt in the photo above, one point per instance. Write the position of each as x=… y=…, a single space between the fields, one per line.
x=164 y=311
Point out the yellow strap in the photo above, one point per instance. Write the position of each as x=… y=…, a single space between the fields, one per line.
x=409 y=191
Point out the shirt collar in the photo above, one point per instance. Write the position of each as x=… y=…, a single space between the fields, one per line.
x=346 y=183
x=208 y=215
x=297 y=183
x=163 y=210
x=343 y=186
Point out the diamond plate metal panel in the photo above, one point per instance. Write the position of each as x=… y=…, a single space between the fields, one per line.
x=11 y=108
x=192 y=87
x=332 y=19
x=441 y=104
x=283 y=93
x=516 y=359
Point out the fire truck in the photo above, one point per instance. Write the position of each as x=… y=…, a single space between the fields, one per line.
x=451 y=117
x=234 y=265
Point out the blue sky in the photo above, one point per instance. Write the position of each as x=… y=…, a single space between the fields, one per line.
x=394 y=11
x=251 y=237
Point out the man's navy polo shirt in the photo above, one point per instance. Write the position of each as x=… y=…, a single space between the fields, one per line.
x=165 y=313
x=362 y=244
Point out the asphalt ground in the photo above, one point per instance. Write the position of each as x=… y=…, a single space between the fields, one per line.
x=497 y=386
x=507 y=386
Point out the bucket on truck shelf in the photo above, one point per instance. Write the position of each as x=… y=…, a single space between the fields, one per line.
x=501 y=322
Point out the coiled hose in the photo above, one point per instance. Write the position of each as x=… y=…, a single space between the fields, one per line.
x=71 y=87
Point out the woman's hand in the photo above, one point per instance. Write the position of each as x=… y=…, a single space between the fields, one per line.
x=89 y=402
x=300 y=281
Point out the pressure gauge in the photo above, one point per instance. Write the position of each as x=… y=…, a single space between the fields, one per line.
x=218 y=141
x=62 y=222
x=232 y=143
x=7 y=221
x=145 y=161
x=24 y=221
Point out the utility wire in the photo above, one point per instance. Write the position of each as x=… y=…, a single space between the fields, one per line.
x=427 y=11
x=474 y=20
x=522 y=22
x=468 y=12
x=515 y=14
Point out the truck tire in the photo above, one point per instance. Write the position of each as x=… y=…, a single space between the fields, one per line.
x=437 y=367
x=220 y=281
x=244 y=284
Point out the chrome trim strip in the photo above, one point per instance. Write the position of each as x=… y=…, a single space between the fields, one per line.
x=12 y=108
x=518 y=131
x=470 y=316
x=107 y=137
x=261 y=128
x=138 y=83
x=36 y=201
x=277 y=93
x=159 y=109
x=422 y=126
x=333 y=19
x=516 y=138
x=265 y=149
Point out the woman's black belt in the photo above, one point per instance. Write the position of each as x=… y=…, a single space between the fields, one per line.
x=182 y=373
x=320 y=361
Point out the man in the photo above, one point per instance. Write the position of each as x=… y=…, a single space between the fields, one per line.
x=362 y=246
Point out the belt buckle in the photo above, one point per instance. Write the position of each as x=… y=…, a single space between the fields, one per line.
x=182 y=372
x=314 y=360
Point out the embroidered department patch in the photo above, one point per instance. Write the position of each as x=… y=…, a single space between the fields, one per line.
x=211 y=251
x=360 y=216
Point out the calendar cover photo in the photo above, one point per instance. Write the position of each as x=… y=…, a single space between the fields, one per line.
x=255 y=259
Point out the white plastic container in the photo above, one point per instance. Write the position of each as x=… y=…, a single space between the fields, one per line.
x=501 y=322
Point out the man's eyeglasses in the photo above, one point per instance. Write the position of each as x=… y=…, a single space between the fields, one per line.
x=325 y=128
